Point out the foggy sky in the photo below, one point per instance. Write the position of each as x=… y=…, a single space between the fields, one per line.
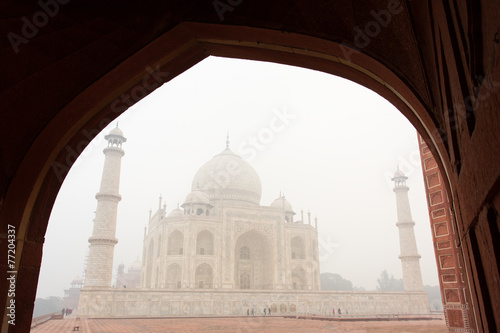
x=328 y=144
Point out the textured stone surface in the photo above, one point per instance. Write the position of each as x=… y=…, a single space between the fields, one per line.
x=114 y=302
x=410 y=259
x=454 y=292
x=99 y=268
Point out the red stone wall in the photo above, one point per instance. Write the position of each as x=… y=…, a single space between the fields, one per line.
x=447 y=249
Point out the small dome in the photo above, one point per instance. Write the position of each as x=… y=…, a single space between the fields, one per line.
x=115 y=134
x=282 y=203
x=399 y=174
x=77 y=280
x=176 y=213
x=197 y=197
x=116 y=131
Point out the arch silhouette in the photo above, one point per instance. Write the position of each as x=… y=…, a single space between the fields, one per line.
x=298 y=248
x=30 y=186
x=205 y=243
x=299 y=278
x=174 y=277
x=203 y=276
x=253 y=261
x=175 y=243
x=195 y=42
x=149 y=265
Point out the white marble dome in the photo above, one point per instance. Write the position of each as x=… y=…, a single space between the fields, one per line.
x=176 y=212
x=399 y=173
x=229 y=178
x=77 y=280
x=197 y=197
x=115 y=136
x=116 y=131
x=282 y=203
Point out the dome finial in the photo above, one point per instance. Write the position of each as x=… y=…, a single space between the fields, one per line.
x=227 y=140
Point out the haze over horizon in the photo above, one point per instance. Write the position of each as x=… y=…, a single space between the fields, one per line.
x=284 y=121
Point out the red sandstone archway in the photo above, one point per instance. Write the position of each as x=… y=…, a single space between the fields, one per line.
x=33 y=189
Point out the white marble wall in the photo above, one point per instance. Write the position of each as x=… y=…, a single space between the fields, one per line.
x=151 y=303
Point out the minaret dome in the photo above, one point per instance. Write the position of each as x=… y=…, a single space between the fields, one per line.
x=399 y=178
x=115 y=137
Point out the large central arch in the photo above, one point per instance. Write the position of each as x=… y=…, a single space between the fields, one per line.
x=253 y=264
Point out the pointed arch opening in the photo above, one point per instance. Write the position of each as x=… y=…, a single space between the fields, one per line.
x=176 y=243
x=205 y=243
x=158 y=252
x=299 y=279
x=203 y=277
x=149 y=265
x=298 y=249
x=174 y=277
x=254 y=267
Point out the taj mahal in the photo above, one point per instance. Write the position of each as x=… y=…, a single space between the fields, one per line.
x=221 y=252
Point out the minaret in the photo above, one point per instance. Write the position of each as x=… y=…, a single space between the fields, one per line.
x=412 y=278
x=103 y=241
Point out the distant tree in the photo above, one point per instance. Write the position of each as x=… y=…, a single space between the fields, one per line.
x=389 y=283
x=47 y=305
x=331 y=281
x=434 y=294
